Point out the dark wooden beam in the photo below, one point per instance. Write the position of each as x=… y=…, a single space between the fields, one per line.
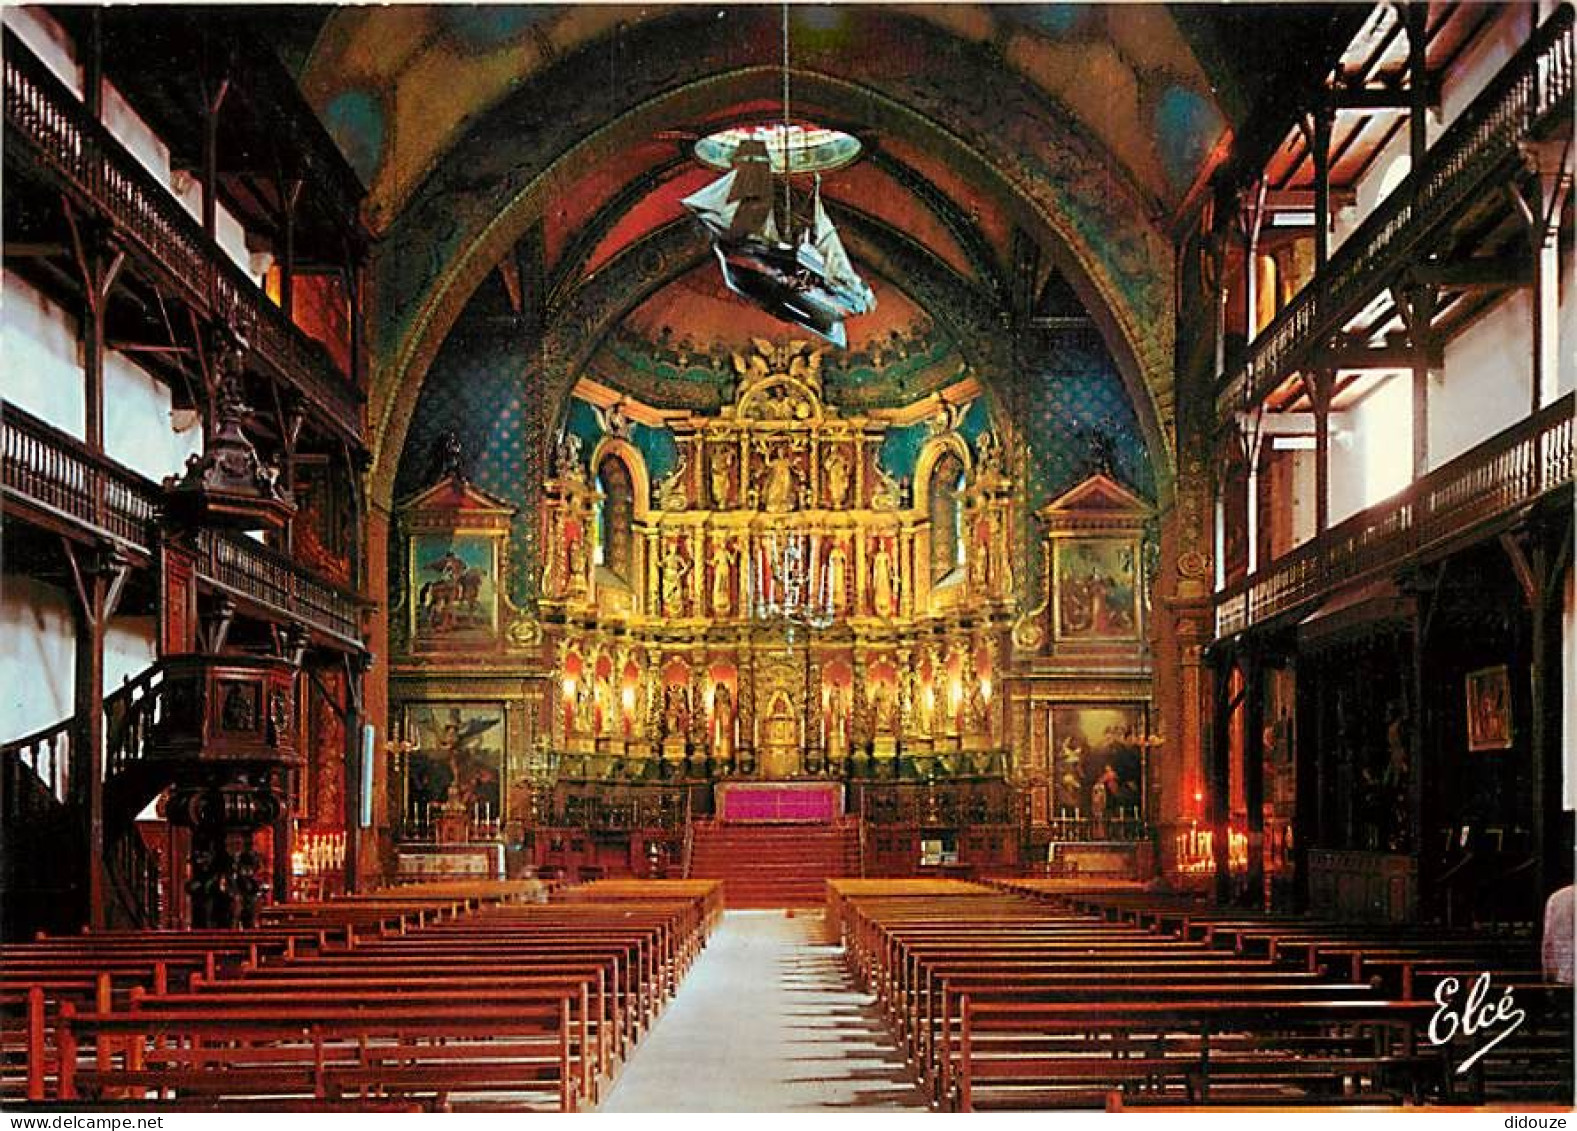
x=17 y=249
x=1476 y=273
x=1389 y=356
x=1306 y=200
x=1369 y=98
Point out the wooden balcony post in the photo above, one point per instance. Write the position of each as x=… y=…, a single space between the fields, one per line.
x=1417 y=305
x=355 y=672
x=1250 y=218
x=1539 y=557
x=1311 y=799
x=1416 y=21
x=1540 y=208
x=211 y=108
x=291 y=192
x=1216 y=253
x=99 y=575
x=1424 y=591
x=1324 y=118
x=99 y=263
x=93 y=66
x=1254 y=773
x=1222 y=662
x=1252 y=439
x=1321 y=385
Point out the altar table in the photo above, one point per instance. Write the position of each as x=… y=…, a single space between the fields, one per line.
x=787 y=802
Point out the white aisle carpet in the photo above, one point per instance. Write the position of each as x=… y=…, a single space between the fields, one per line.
x=766 y=1020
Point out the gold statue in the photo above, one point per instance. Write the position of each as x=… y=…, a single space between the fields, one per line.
x=577 y=566
x=836 y=473
x=838 y=577
x=722 y=578
x=883 y=589
x=722 y=465
x=882 y=708
x=674 y=570
x=889 y=492
x=837 y=722
x=777 y=492
x=670 y=489
x=723 y=724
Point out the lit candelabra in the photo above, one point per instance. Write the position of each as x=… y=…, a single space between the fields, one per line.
x=1196 y=850
x=317 y=853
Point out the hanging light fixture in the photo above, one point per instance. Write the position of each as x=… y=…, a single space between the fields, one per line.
x=793 y=267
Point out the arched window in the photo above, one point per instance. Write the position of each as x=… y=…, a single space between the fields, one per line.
x=947 y=534
x=615 y=517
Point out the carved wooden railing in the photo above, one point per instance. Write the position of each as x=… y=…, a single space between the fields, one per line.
x=45 y=120
x=1532 y=90
x=133 y=874
x=1510 y=471
x=247 y=569
x=47 y=469
x=130 y=714
x=53 y=471
x=38 y=766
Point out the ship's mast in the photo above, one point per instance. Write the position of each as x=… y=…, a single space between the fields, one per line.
x=787 y=227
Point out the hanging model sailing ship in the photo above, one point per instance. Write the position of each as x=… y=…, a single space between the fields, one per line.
x=805 y=279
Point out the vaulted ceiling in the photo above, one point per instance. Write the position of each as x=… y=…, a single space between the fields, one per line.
x=1010 y=153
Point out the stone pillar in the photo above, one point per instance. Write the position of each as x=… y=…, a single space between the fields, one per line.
x=379 y=846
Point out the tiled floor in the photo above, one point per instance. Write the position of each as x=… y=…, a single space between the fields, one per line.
x=766 y=1020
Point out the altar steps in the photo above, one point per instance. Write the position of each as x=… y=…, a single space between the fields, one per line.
x=774 y=865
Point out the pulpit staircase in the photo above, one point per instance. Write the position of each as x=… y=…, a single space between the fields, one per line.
x=774 y=865
x=44 y=836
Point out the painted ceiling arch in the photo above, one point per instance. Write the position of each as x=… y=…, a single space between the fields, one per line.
x=1125 y=72
x=1017 y=152
x=666 y=257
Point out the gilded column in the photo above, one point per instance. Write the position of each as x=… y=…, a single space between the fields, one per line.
x=861 y=575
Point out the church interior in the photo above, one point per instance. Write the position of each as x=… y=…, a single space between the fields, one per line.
x=1044 y=528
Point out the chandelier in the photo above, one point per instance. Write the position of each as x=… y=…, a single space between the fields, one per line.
x=786 y=587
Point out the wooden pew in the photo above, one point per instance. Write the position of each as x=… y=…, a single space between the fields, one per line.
x=381 y=1047
x=1030 y=998
x=384 y=1016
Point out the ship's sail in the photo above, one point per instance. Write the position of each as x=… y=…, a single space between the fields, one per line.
x=711 y=205
x=839 y=272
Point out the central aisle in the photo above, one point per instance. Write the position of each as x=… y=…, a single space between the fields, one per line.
x=766 y=1020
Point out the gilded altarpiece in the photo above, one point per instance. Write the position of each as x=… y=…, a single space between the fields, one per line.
x=779 y=605
x=773 y=612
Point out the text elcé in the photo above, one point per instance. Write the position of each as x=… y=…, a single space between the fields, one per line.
x=1474 y=1015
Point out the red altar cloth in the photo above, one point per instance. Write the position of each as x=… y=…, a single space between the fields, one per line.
x=799 y=802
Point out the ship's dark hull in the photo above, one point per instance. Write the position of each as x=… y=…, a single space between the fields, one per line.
x=779 y=284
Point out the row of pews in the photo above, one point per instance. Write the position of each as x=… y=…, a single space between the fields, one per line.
x=454 y=996
x=1041 y=994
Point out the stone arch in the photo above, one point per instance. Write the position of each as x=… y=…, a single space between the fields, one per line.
x=1126 y=277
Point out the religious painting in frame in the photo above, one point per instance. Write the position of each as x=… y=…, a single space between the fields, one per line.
x=1098 y=761
x=1489 y=709
x=459 y=759
x=1096 y=589
x=453 y=591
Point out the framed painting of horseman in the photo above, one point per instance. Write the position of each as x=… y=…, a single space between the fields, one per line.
x=456 y=537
